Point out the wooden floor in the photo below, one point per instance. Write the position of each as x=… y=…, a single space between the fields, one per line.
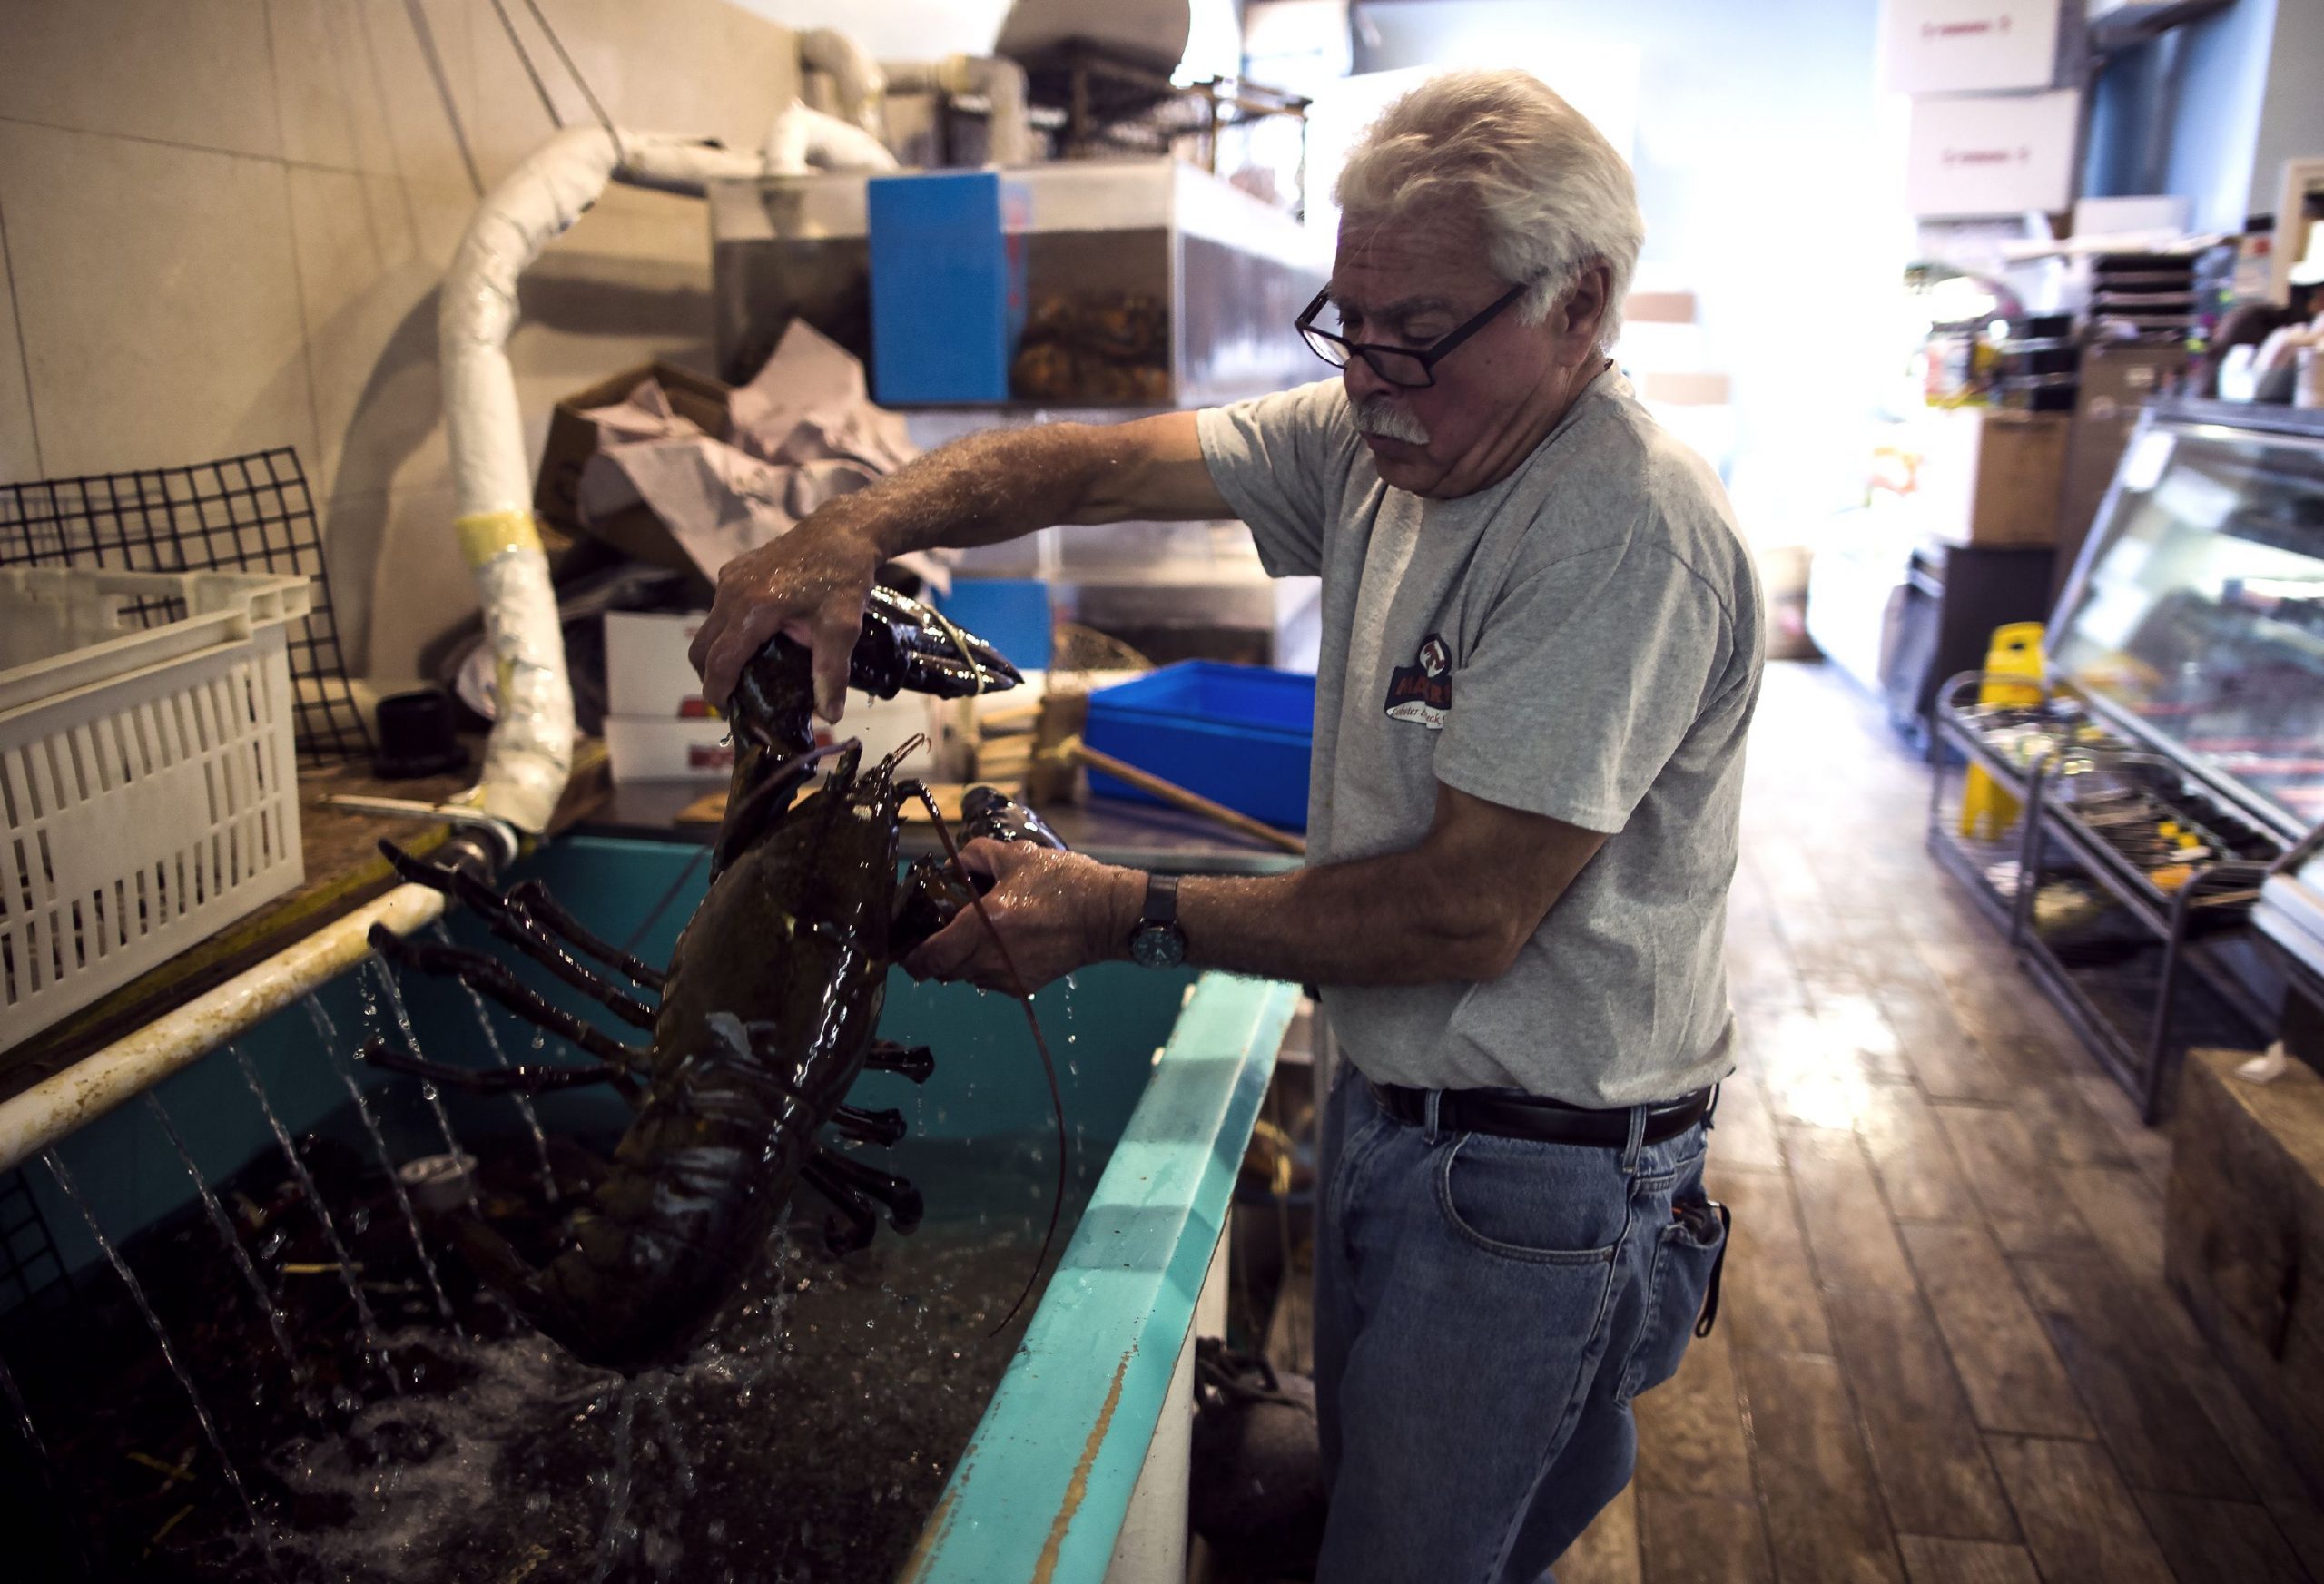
x=1946 y=1354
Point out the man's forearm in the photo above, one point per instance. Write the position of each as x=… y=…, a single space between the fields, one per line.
x=1384 y=920
x=982 y=489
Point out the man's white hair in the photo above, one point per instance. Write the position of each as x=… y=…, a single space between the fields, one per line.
x=1551 y=192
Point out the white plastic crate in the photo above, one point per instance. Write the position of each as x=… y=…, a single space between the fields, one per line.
x=147 y=774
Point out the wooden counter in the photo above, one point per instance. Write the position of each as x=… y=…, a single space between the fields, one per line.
x=2244 y=1236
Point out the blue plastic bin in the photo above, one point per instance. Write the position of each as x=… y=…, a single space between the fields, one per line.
x=1239 y=734
x=1011 y=614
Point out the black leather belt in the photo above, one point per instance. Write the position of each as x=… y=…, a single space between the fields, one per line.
x=1506 y=1114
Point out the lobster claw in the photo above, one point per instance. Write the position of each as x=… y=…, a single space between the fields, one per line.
x=904 y=644
x=908 y=646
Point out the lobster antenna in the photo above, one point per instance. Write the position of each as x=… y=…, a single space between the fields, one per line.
x=787 y=772
x=1048 y=1067
x=894 y=762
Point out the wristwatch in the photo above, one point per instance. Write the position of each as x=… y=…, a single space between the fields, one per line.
x=1156 y=940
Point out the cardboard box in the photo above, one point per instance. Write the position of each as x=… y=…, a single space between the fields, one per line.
x=1967 y=47
x=1992 y=154
x=648 y=673
x=653 y=748
x=573 y=440
x=1990 y=476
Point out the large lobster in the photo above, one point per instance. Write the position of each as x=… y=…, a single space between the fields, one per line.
x=767 y=1012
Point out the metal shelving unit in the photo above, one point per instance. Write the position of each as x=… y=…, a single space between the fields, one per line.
x=2138 y=1020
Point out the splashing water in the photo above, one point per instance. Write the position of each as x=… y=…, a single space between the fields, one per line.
x=51 y=1476
x=242 y=1258
x=372 y=1342
x=169 y=1353
x=500 y=1057
x=427 y=1091
x=330 y=1032
x=657 y=1400
x=611 y=1544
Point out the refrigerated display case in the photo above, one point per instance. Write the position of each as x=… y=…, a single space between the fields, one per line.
x=2175 y=754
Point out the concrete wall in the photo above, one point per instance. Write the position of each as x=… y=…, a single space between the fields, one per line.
x=223 y=223
x=1770 y=173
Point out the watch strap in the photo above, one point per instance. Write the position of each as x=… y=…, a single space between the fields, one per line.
x=1161 y=901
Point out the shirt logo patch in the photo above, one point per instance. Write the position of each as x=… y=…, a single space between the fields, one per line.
x=1423 y=691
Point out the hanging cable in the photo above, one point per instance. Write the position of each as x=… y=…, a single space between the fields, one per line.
x=574 y=71
x=525 y=55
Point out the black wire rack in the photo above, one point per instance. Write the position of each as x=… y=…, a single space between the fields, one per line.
x=241 y=514
x=29 y=1263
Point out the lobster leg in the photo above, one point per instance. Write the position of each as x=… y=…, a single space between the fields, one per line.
x=534 y=897
x=507 y=1080
x=495 y=1261
x=856 y=1223
x=883 y=1127
x=486 y=977
x=512 y=924
x=915 y=1062
x=901 y=1199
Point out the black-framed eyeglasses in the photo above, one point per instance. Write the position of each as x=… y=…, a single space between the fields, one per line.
x=1410 y=367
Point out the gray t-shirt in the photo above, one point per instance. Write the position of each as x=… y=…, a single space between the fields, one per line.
x=1581 y=640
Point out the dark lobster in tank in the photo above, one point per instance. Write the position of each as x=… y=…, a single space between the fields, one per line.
x=767 y=1012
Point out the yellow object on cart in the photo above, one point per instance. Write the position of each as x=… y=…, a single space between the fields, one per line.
x=1986 y=812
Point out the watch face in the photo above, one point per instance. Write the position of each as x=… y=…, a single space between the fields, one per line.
x=1156 y=946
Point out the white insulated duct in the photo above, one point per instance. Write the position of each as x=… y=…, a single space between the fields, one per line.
x=530 y=753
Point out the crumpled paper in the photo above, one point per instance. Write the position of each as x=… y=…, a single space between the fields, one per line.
x=803 y=431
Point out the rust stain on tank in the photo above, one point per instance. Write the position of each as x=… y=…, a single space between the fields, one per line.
x=933 y=1530
x=1077 y=1488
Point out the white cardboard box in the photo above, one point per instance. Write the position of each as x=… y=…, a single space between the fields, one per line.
x=654 y=748
x=1967 y=47
x=647 y=675
x=1999 y=153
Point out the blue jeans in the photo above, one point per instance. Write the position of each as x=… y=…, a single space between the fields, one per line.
x=1485 y=1309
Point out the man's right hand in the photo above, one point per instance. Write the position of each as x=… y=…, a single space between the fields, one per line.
x=810 y=584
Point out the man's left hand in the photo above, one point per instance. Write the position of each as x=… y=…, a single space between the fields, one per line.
x=1054 y=913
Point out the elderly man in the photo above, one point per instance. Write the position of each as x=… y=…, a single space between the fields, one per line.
x=1540 y=650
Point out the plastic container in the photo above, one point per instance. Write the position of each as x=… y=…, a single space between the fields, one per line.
x=147 y=771
x=1240 y=735
x=947 y=284
x=1011 y=614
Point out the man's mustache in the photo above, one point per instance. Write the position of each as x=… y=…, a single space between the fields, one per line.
x=1380 y=415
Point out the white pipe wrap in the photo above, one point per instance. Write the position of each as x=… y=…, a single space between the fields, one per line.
x=32 y=1121
x=862 y=86
x=529 y=755
x=999 y=79
x=1010 y=140
x=803 y=140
